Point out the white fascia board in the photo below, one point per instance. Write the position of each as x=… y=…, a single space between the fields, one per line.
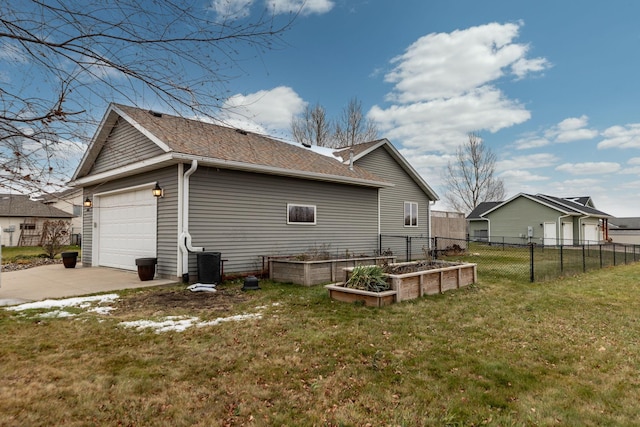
x=142 y=130
x=248 y=167
x=148 y=164
x=174 y=158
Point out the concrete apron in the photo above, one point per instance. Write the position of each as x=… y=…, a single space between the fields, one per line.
x=55 y=281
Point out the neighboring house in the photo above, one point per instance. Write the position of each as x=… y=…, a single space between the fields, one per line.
x=625 y=230
x=22 y=219
x=69 y=201
x=237 y=193
x=541 y=219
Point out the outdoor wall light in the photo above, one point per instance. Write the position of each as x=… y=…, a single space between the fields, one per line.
x=157 y=191
x=87 y=203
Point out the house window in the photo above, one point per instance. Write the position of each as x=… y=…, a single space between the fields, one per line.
x=301 y=214
x=26 y=226
x=482 y=235
x=410 y=214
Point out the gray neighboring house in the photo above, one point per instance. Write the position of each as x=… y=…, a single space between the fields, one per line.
x=234 y=192
x=541 y=219
x=22 y=219
x=625 y=230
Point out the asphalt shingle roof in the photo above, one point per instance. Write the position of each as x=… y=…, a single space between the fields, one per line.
x=199 y=138
x=13 y=205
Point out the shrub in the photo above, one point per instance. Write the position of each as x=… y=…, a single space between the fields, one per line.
x=55 y=236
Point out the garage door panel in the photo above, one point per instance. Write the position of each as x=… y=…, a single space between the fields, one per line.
x=127 y=228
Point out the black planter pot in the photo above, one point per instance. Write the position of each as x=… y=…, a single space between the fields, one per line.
x=146 y=268
x=69 y=259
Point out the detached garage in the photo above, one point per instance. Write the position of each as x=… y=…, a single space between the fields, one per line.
x=228 y=191
x=125 y=227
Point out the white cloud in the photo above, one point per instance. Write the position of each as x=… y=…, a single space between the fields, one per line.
x=442 y=125
x=263 y=111
x=621 y=137
x=568 y=130
x=444 y=65
x=533 y=161
x=571 y=129
x=531 y=141
x=443 y=87
x=589 y=168
x=515 y=177
x=232 y=9
x=524 y=66
x=304 y=7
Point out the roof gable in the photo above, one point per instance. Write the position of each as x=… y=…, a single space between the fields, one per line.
x=359 y=151
x=184 y=139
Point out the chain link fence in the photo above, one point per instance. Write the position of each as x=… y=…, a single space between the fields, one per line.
x=509 y=258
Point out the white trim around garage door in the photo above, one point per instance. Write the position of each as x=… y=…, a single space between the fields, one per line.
x=139 y=245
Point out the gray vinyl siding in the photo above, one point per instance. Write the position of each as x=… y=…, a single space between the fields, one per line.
x=405 y=189
x=125 y=145
x=243 y=216
x=512 y=219
x=167 y=227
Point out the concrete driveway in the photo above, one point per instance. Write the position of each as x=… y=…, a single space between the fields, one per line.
x=55 y=281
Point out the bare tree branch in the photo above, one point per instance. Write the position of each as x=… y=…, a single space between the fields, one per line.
x=353 y=127
x=471 y=178
x=67 y=57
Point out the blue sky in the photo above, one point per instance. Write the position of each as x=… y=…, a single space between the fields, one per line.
x=551 y=86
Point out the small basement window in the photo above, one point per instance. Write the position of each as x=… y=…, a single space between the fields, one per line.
x=410 y=214
x=301 y=214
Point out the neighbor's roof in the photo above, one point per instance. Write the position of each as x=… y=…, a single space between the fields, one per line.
x=214 y=145
x=479 y=210
x=563 y=205
x=625 y=223
x=13 y=205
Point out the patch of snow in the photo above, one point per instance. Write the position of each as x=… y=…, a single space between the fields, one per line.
x=179 y=324
x=101 y=310
x=56 y=314
x=82 y=302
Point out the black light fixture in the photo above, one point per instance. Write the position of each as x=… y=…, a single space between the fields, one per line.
x=87 y=203
x=157 y=191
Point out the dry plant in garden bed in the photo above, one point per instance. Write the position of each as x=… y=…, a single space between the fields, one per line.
x=413 y=267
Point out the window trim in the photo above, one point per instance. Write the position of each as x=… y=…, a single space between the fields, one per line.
x=413 y=220
x=315 y=214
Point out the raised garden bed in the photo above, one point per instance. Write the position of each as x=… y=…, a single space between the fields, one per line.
x=316 y=272
x=410 y=280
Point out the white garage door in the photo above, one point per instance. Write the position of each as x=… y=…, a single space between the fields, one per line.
x=590 y=233
x=126 y=228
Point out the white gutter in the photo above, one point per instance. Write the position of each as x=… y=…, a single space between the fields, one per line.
x=581 y=228
x=561 y=234
x=185 y=237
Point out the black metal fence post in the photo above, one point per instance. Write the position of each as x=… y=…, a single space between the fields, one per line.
x=561 y=260
x=435 y=248
x=584 y=259
x=408 y=245
x=600 y=256
x=531 y=273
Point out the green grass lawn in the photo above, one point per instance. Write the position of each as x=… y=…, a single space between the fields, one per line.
x=502 y=352
x=17 y=253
